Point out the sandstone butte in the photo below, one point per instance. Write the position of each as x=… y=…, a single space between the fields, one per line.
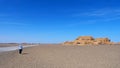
x=89 y=40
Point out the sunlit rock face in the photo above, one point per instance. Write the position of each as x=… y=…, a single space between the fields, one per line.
x=89 y=40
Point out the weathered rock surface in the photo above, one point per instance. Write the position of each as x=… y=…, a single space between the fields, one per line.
x=89 y=40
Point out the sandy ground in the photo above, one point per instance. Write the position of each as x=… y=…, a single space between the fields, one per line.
x=57 y=56
x=13 y=44
x=7 y=45
x=12 y=48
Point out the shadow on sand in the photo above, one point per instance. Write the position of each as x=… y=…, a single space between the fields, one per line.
x=25 y=53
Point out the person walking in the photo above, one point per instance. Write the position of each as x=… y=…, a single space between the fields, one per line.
x=20 y=48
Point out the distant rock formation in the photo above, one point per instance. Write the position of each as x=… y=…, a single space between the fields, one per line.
x=89 y=40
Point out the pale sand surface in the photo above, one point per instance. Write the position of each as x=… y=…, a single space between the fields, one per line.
x=12 y=48
x=10 y=45
x=57 y=56
x=7 y=45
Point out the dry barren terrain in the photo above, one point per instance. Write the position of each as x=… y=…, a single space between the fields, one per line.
x=58 y=56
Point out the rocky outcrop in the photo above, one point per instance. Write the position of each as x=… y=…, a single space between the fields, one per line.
x=103 y=40
x=89 y=40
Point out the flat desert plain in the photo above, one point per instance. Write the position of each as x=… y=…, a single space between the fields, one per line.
x=59 y=56
x=7 y=45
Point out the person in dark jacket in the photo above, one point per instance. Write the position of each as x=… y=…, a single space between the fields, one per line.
x=20 y=48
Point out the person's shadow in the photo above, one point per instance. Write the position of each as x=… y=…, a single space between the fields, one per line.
x=25 y=53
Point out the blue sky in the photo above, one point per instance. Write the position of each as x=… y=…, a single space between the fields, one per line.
x=56 y=21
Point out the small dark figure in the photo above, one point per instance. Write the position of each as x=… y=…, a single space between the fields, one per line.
x=20 y=48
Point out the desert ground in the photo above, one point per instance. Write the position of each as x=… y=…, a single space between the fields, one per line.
x=13 y=44
x=59 y=56
x=8 y=44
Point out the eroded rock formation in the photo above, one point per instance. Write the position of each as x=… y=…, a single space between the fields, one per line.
x=89 y=40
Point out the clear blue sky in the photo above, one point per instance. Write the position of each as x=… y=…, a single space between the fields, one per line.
x=55 y=21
